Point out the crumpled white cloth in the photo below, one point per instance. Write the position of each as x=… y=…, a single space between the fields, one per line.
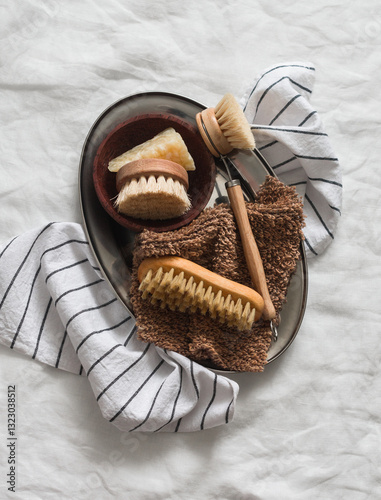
x=56 y=307
x=290 y=136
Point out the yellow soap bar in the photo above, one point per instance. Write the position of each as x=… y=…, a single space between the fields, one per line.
x=167 y=145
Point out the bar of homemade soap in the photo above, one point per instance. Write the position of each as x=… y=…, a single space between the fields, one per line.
x=167 y=145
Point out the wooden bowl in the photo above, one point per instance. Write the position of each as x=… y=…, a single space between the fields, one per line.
x=135 y=131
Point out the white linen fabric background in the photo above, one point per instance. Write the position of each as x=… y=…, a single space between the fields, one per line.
x=309 y=426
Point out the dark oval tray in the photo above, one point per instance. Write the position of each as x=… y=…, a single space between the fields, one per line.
x=112 y=244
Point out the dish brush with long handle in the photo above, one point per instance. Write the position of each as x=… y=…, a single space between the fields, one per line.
x=223 y=129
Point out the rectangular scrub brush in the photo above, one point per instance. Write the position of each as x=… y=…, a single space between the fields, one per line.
x=179 y=284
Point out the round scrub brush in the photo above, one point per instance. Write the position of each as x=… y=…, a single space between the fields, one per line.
x=152 y=189
x=223 y=129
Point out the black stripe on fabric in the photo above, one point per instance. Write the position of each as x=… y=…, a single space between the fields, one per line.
x=123 y=372
x=307 y=118
x=80 y=370
x=319 y=216
x=265 y=92
x=274 y=69
x=26 y=308
x=71 y=319
x=228 y=411
x=65 y=268
x=150 y=410
x=175 y=402
x=330 y=206
x=101 y=331
x=284 y=163
x=77 y=289
x=284 y=108
x=304 y=183
x=210 y=402
x=267 y=145
x=7 y=246
x=130 y=335
x=194 y=380
x=137 y=391
x=309 y=246
x=32 y=287
x=42 y=328
x=95 y=308
x=328 y=181
x=320 y=158
x=300 y=183
x=178 y=425
x=60 y=245
x=28 y=302
x=102 y=358
x=290 y=130
x=335 y=208
x=22 y=264
x=61 y=349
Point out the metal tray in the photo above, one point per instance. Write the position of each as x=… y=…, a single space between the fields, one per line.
x=112 y=244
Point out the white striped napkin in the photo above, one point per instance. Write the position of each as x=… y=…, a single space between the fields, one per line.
x=290 y=135
x=56 y=308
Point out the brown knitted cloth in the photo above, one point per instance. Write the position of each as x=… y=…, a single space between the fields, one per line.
x=212 y=241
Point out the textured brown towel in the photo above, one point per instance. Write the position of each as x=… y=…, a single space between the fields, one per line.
x=212 y=241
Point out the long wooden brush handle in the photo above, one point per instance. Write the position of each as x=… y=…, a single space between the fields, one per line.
x=250 y=248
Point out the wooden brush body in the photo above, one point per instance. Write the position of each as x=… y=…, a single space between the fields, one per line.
x=225 y=127
x=152 y=189
x=180 y=284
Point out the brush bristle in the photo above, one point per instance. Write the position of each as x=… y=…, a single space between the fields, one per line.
x=153 y=198
x=233 y=123
x=172 y=289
